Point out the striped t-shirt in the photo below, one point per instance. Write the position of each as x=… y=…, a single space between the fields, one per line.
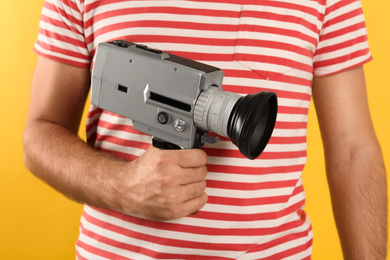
x=255 y=207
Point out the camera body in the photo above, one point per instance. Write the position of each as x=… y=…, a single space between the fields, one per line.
x=157 y=90
x=178 y=100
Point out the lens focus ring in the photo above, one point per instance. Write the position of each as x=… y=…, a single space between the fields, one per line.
x=212 y=110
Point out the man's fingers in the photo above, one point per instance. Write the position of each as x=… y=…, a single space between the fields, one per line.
x=193 y=175
x=191 y=158
x=193 y=190
x=194 y=205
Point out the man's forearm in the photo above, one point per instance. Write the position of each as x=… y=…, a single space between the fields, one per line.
x=359 y=198
x=69 y=165
x=159 y=185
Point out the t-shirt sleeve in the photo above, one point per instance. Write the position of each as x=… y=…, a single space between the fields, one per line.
x=61 y=33
x=343 y=40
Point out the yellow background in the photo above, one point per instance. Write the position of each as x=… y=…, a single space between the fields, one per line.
x=38 y=223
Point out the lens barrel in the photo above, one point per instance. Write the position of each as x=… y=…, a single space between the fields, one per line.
x=252 y=121
x=247 y=120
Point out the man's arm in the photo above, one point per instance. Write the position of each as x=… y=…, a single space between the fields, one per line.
x=355 y=168
x=159 y=185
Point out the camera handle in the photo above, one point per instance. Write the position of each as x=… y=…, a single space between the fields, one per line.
x=164 y=145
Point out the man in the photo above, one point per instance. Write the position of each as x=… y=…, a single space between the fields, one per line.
x=139 y=199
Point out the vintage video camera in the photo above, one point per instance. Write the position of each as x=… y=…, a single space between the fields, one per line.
x=177 y=100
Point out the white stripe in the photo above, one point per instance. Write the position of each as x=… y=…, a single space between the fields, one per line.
x=58 y=55
x=162 y=32
x=58 y=17
x=282 y=247
x=180 y=4
x=276 y=25
x=256 y=83
x=340 y=39
x=238 y=194
x=281 y=117
x=193 y=222
x=250 y=178
x=65 y=32
x=84 y=253
x=149 y=245
x=240 y=162
x=336 y=67
x=108 y=248
x=343 y=10
x=296 y=147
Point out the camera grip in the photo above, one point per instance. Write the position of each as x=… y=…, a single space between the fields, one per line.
x=158 y=143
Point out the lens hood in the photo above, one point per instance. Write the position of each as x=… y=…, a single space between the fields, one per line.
x=252 y=121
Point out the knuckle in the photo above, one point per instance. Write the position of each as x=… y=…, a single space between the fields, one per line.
x=166 y=181
x=202 y=156
x=169 y=200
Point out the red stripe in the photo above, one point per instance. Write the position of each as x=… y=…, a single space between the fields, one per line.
x=279 y=93
x=154 y=239
x=282 y=240
x=123 y=142
x=62 y=13
x=287 y=140
x=202 y=214
x=215 y=231
x=275 y=45
x=341 y=59
x=167 y=38
x=253 y=201
x=247 y=186
x=209 y=150
x=60 y=24
x=293 y=111
x=165 y=24
x=71 y=54
x=62 y=60
x=284 y=32
x=161 y=10
x=290 y=125
x=346 y=44
x=251 y=75
x=272 y=60
x=285 y=5
x=277 y=139
x=343 y=31
x=265 y=155
x=344 y=17
x=179 y=243
x=100 y=252
x=290 y=252
x=253 y=170
x=338 y=5
x=59 y=37
x=279 y=18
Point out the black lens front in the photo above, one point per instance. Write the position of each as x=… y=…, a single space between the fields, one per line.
x=252 y=121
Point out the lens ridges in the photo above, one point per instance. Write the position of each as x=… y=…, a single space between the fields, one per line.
x=252 y=121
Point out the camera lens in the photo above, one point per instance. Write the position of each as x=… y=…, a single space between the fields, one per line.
x=248 y=121
x=252 y=121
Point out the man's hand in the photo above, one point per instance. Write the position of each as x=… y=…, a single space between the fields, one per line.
x=164 y=184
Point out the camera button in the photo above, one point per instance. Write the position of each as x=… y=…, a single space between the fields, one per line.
x=179 y=125
x=163 y=118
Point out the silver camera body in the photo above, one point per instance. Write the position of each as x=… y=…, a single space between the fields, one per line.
x=178 y=100
x=157 y=90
